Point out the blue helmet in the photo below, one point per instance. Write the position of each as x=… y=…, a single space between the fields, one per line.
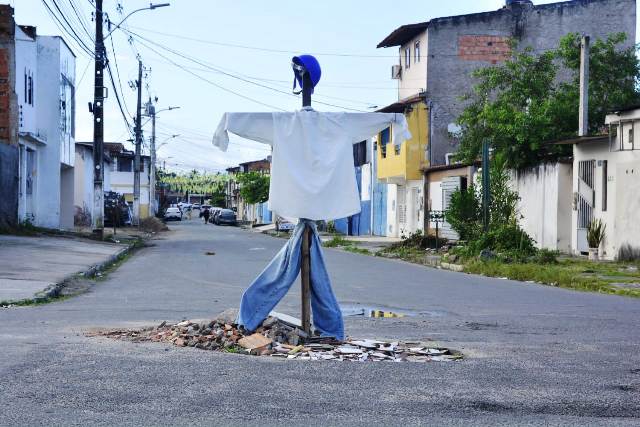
x=311 y=65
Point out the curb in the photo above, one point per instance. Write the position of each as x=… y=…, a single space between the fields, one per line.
x=53 y=290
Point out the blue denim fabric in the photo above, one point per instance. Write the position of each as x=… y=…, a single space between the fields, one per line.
x=275 y=280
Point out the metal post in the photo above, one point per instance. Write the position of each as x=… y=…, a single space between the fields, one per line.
x=486 y=196
x=97 y=214
x=136 y=162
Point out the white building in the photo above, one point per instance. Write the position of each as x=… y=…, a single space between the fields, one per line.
x=83 y=182
x=45 y=87
x=606 y=184
x=122 y=172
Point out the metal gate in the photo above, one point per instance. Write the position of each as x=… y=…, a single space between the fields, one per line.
x=585 y=199
x=449 y=186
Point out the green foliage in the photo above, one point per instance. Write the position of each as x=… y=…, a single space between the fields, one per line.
x=596 y=233
x=193 y=182
x=419 y=241
x=508 y=240
x=504 y=235
x=254 y=187
x=464 y=213
x=613 y=76
x=336 y=241
x=546 y=256
x=523 y=103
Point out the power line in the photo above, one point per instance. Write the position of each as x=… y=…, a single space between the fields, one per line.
x=115 y=61
x=209 y=81
x=239 y=46
x=81 y=20
x=232 y=75
x=62 y=28
x=78 y=38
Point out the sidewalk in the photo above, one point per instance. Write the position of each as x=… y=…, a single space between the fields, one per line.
x=33 y=267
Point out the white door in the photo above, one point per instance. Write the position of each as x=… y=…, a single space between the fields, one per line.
x=402 y=209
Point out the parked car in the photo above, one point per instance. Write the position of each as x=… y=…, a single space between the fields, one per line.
x=173 y=213
x=196 y=206
x=214 y=211
x=203 y=208
x=225 y=216
x=284 y=225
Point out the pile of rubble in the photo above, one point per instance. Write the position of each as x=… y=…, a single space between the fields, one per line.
x=280 y=338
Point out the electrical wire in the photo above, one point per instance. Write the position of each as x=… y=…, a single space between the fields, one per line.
x=239 y=46
x=64 y=18
x=83 y=23
x=229 y=74
x=209 y=81
x=115 y=61
x=63 y=29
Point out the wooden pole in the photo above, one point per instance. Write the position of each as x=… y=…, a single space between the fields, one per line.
x=305 y=270
x=305 y=278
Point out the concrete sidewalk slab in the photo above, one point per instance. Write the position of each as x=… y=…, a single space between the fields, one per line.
x=30 y=265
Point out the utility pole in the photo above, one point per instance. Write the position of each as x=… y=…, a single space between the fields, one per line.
x=583 y=129
x=151 y=111
x=136 y=161
x=97 y=214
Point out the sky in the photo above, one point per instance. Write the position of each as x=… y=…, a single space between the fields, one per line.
x=222 y=53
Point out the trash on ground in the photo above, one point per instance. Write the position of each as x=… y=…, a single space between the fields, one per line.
x=280 y=338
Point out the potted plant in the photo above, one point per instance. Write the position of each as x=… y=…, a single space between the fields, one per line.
x=595 y=235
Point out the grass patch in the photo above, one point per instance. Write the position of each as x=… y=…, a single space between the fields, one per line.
x=347 y=245
x=568 y=273
x=337 y=241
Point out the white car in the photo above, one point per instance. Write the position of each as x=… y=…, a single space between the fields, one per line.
x=173 y=213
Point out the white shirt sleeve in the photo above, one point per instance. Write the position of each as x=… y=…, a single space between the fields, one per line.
x=255 y=126
x=362 y=126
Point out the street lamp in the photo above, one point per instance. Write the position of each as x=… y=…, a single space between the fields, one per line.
x=166 y=141
x=151 y=7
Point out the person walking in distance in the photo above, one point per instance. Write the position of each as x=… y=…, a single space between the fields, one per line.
x=206 y=215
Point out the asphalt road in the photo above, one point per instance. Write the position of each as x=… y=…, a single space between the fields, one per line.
x=535 y=354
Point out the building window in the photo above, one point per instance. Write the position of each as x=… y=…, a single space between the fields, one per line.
x=384 y=140
x=407 y=57
x=125 y=165
x=30 y=91
x=360 y=153
x=604 y=185
x=416 y=52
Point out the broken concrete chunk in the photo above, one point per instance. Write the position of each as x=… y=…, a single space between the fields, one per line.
x=254 y=341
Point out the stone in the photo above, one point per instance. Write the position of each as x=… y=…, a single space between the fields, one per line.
x=254 y=341
x=228 y=316
x=453 y=258
x=487 y=255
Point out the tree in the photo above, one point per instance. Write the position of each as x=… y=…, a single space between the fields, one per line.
x=254 y=187
x=522 y=104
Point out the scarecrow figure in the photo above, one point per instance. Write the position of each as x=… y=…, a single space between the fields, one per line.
x=312 y=178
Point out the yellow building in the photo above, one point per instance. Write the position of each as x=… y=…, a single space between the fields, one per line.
x=400 y=167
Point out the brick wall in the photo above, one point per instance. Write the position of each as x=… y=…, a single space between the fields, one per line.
x=9 y=157
x=488 y=48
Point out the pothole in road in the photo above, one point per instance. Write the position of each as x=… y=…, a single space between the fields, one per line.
x=279 y=338
x=382 y=311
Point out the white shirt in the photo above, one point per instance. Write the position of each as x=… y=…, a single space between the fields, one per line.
x=312 y=172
